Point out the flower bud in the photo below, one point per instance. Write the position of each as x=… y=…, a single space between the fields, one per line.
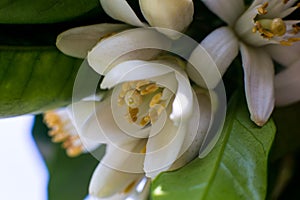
x=171 y=14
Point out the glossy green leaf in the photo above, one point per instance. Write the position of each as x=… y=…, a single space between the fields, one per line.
x=69 y=177
x=235 y=169
x=46 y=11
x=35 y=79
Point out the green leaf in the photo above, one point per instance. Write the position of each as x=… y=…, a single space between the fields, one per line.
x=35 y=79
x=235 y=169
x=68 y=177
x=46 y=11
x=287 y=139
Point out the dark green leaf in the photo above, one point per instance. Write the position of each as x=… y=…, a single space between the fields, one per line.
x=287 y=139
x=35 y=79
x=69 y=177
x=45 y=11
x=235 y=169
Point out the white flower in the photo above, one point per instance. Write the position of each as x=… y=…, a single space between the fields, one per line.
x=164 y=14
x=151 y=119
x=152 y=122
x=261 y=34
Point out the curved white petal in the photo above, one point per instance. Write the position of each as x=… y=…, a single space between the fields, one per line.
x=182 y=107
x=78 y=41
x=101 y=127
x=285 y=55
x=106 y=182
x=138 y=191
x=80 y=111
x=134 y=70
x=139 y=43
x=212 y=57
x=197 y=127
x=121 y=10
x=228 y=10
x=167 y=14
x=287 y=85
x=259 y=83
x=163 y=148
x=126 y=156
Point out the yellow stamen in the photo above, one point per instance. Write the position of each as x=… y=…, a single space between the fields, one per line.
x=145 y=120
x=74 y=151
x=155 y=100
x=60 y=134
x=149 y=89
x=60 y=137
x=133 y=113
x=296 y=29
x=262 y=10
x=141 y=83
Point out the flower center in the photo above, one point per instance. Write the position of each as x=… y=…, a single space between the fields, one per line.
x=268 y=28
x=276 y=27
x=63 y=131
x=143 y=100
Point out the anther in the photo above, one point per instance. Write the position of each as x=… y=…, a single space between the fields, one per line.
x=296 y=29
x=133 y=113
x=141 y=84
x=145 y=120
x=149 y=89
x=155 y=99
x=262 y=9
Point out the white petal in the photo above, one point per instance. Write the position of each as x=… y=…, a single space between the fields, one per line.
x=259 y=83
x=126 y=156
x=285 y=55
x=197 y=127
x=106 y=182
x=287 y=85
x=167 y=14
x=121 y=10
x=228 y=10
x=78 y=41
x=101 y=127
x=163 y=149
x=134 y=70
x=182 y=107
x=141 y=43
x=212 y=57
x=80 y=111
x=141 y=192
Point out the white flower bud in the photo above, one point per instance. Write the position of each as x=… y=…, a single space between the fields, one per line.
x=171 y=14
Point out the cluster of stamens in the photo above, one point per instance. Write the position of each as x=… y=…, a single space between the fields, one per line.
x=59 y=133
x=134 y=93
x=270 y=28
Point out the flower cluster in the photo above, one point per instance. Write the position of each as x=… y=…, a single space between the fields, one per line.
x=152 y=118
